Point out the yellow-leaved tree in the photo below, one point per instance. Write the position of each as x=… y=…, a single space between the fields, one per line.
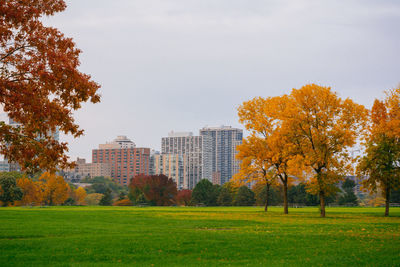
x=380 y=165
x=268 y=142
x=323 y=128
x=80 y=196
x=254 y=168
x=32 y=191
x=55 y=189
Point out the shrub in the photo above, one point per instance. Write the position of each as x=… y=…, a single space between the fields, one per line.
x=123 y=202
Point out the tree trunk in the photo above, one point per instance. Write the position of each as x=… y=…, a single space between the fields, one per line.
x=266 y=198
x=387 y=195
x=285 y=198
x=322 y=203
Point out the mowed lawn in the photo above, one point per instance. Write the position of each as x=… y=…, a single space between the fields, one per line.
x=192 y=236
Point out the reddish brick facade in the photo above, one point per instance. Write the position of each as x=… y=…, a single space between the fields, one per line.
x=125 y=162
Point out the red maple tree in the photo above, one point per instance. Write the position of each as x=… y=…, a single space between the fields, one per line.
x=157 y=189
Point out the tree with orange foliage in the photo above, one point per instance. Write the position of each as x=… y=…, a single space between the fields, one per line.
x=323 y=127
x=40 y=84
x=79 y=196
x=32 y=191
x=254 y=166
x=381 y=164
x=269 y=142
x=55 y=189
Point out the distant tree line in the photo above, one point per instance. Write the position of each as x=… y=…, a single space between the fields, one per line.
x=159 y=190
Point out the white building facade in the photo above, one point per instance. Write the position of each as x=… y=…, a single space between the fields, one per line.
x=195 y=153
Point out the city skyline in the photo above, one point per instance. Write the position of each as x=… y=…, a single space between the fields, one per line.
x=164 y=65
x=184 y=157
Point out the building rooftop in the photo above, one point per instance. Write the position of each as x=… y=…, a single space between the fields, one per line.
x=120 y=142
x=221 y=127
x=179 y=134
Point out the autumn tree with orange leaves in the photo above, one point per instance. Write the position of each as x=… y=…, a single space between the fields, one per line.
x=254 y=167
x=55 y=189
x=32 y=191
x=381 y=164
x=323 y=128
x=306 y=134
x=267 y=150
x=40 y=84
x=79 y=195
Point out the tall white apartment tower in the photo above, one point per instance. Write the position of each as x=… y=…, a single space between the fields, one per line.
x=195 y=152
x=224 y=140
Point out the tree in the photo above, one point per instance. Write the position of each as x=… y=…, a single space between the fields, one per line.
x=40 y=84
x=268 y=142
x=225 y=197
x=205 y=193
x=157 y=189
x=298 y=195
x=274 y=195
x=395 y=196
x=122 y=196
x=381 y=164
x=106 y=200
x=99 y=184
x=259 y=193
x=79 y=196
x=93 y=199
x=55 y=189
x=349 y=197
x=32 y=191
x=254 y=166
x=184 y=197
x=244 y=197
x=322 y=127
x=9 y=191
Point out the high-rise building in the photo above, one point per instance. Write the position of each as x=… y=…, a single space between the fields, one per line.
x=172 y=166
x=195 y=152
x=224 y=140
x=152 y=164
x=125 y=159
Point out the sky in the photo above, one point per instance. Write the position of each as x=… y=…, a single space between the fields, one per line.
x=184 y=64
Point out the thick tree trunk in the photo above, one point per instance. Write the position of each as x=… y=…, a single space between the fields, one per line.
x=266 y=198
x=322 y=203
x=285 y=198
x=387 y=201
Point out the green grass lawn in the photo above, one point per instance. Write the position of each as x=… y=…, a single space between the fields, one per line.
x=191 y=236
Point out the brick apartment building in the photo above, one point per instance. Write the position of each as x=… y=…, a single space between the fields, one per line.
x=125 y=159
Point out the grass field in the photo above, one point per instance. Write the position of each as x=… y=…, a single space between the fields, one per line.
x=180 y=236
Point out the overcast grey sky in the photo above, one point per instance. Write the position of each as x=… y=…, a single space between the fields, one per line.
x=182 y=64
